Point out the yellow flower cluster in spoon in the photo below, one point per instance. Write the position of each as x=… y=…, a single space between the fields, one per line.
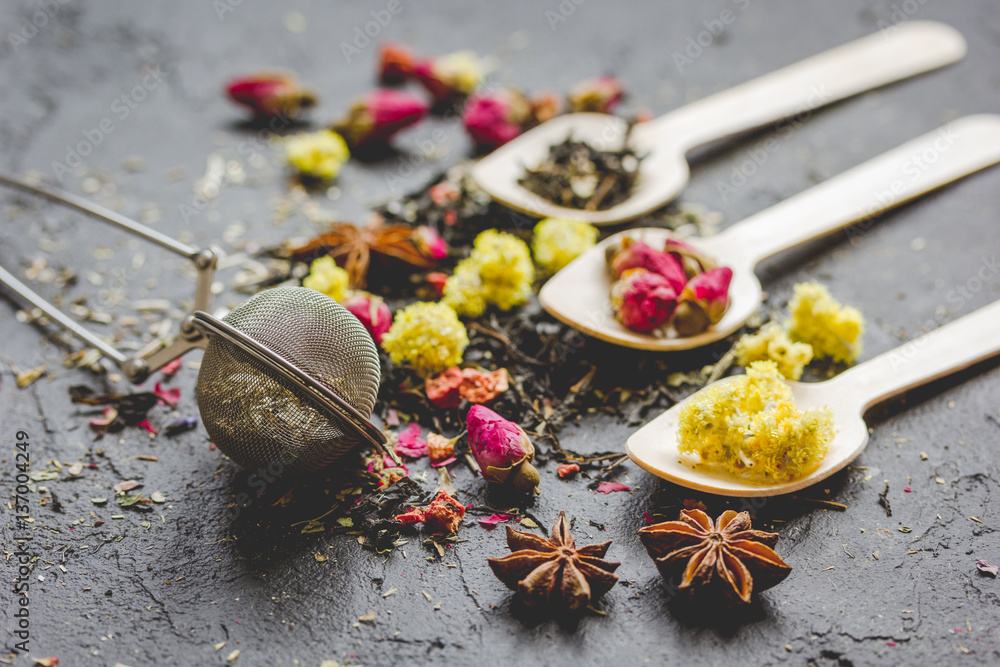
x=749 y=426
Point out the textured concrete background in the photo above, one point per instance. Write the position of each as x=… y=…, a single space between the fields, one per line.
x=203 y=573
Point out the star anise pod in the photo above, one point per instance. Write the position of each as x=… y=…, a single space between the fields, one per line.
x=555 y=571
x=724 y=558
x=352 y=247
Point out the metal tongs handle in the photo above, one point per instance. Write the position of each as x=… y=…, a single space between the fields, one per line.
x=138 y=367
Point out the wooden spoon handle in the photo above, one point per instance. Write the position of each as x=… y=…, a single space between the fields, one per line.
x=956 y=150
x=870 y=62
x=950 y=348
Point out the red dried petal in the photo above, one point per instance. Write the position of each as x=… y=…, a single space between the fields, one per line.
x=568 y=469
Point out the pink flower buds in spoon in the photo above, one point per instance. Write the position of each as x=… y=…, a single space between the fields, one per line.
x=378 y=116
x=693 y=261
x=643 y=300
x=600 y=94
x=373 y=313
x=704 y=301
x=271 y=94
x=502 y=449
x=634 y=254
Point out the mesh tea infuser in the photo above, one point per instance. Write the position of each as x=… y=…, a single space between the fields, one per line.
x=289 y=376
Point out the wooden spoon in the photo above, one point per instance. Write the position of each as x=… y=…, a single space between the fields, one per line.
x=861 y=65
x=952 y=347
x=579 y=295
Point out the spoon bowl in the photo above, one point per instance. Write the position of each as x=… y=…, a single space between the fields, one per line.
x=950 y=348
x=861 y=65
x=663 y=170
x=579 y=295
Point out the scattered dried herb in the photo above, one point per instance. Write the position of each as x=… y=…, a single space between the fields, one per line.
x=883 y=500
x=374 y=515
x=132 y=409
x=577 y=175
x=986 y=568
x=555 y=571
x=724 y=559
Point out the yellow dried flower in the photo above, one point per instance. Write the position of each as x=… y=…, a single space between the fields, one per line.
x=558 y=242
x=326 y=277
x=317 y=154
x=833 y=330
x=772 y=343
x=427 y=336
x=749 y=426
x=497 y=271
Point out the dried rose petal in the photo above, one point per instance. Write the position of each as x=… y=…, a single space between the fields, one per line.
x=411 y=516
x=983 y=566
x=442 y=389
x=437 y=280
x=600 y=95
x=568 y=469
x=395 y=63
x=102 y=424
x=439 y=447
x=373 y=313
x=128 y=485
x=168 y=396
x=609 y=487
x=494 y=519
x=501 y=448
x=643 y=300
x=170 y=369
x=145 y=424
x=271 y=94
x=411 y=442
x=703 y=302
x=634 y=254
x=482 y=387
x=492 y=119
x=378 y=116
x=444 y=514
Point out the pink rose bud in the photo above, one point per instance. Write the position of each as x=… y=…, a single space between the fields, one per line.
x=544 y=106
x=378 y=116
x=430 y=243
x=373 y=313
x=704 y=301
x=639 y=255
x=395 y=63
x=271 y=94
x=690 y=259
x=600 y=94
x=493 y=119
x=437 y=281
x=643 y=300
x=502 y=449
x=451 y=77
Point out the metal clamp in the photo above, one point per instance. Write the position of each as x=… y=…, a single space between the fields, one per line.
x=135 y=368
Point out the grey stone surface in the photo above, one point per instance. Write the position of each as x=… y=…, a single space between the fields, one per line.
x=202 y=573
